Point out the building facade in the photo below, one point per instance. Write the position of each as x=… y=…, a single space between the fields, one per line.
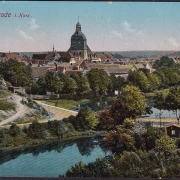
x=79 y=48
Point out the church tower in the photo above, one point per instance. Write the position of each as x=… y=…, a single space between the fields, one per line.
x=79 y=47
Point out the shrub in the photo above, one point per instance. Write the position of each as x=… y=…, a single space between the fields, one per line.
x=35 y=130
x=178 y=142
x=5 y=106
x=14 y=130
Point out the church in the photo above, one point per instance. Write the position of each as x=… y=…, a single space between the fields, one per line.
x=79 y=48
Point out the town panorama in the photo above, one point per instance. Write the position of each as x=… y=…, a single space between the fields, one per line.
x=76 y=110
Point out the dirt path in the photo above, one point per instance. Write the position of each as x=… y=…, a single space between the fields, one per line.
x=21 y=110
x=58 y=113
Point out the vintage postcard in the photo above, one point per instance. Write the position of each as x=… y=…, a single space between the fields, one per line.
x=89 y=89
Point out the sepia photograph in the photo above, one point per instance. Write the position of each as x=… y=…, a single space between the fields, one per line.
x=89 y=89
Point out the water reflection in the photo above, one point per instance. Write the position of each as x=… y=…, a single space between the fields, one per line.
x=97 y=105
x=84 y=145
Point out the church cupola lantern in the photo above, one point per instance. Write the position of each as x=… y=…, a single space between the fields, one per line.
x=78 y=26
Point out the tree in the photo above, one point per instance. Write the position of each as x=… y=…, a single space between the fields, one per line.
x=173 y=170
x=14 y=130
x=130 y=165
x=139 y=79
x=35 y=130
x=99 y=81
x=164 y=61
x=99 y=168
x=50 y=82
x=117 y=83
x=85 y=119
x=118 y=141
x=151 y=135
x=18 y=74
x=173 y=101
x=160 y=102
x=106 y=120
x=130 y=104
x=82 y=85
x=168 y=76
x=154 y=81
x=69 y=85
x=163 y=145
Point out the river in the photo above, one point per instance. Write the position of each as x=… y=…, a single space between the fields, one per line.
x=50 y=160
x=104 y=103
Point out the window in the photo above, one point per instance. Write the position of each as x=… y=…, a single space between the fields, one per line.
x=173 y=132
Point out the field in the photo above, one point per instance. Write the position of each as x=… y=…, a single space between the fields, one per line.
x=67 y=104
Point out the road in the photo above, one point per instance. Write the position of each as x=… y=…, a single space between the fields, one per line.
x=21 y=110
x=58 y=113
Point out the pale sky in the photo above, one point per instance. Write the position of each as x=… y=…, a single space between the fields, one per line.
x=120 y=26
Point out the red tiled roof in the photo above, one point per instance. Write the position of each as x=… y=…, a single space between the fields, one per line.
x=117 y=71
x=102 y=57
x=38 y=71
x=39 y=56
x=176 y=125
x=69 y=72
x=108 y=55
x=13 y=56
x=66 y=55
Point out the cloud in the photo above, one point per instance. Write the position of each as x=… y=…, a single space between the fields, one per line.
x=116 y=34
x=127 y=27
x=110 y=2
x=25 y=35
x=140 y=33
x=173 y=42
x=33 y=25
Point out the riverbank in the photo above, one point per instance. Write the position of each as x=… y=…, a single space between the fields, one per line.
x=35 y=143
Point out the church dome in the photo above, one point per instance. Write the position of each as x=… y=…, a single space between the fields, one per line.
x=78 y=35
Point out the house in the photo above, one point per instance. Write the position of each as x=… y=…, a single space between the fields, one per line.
x=38 y=71
x=173 y=131
x=144 y=66
x=102 y=57
x=109 y=55
x=52 y=56
x=102 y=66
x=66 y=57
x=122 y=71
x=81 y=64
x=3 y=59
x=73 y=72
x=148 y=66
x=39 y=59
x=176 y=60
x=13 y=56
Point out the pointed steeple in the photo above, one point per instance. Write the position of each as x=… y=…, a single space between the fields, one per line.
x=78 y=26
x=53 y=47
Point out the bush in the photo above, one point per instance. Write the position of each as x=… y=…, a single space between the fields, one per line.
x=35 y=130
x=14 y=130
x=6 y=106
x=178 y=142
x=1 y=136
x=86 y=119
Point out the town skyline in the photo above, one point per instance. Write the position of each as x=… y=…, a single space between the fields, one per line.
x=113 y=26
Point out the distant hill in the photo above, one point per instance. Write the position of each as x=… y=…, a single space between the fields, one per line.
x=125 y=54
x=143 y=54
x=147 y=54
